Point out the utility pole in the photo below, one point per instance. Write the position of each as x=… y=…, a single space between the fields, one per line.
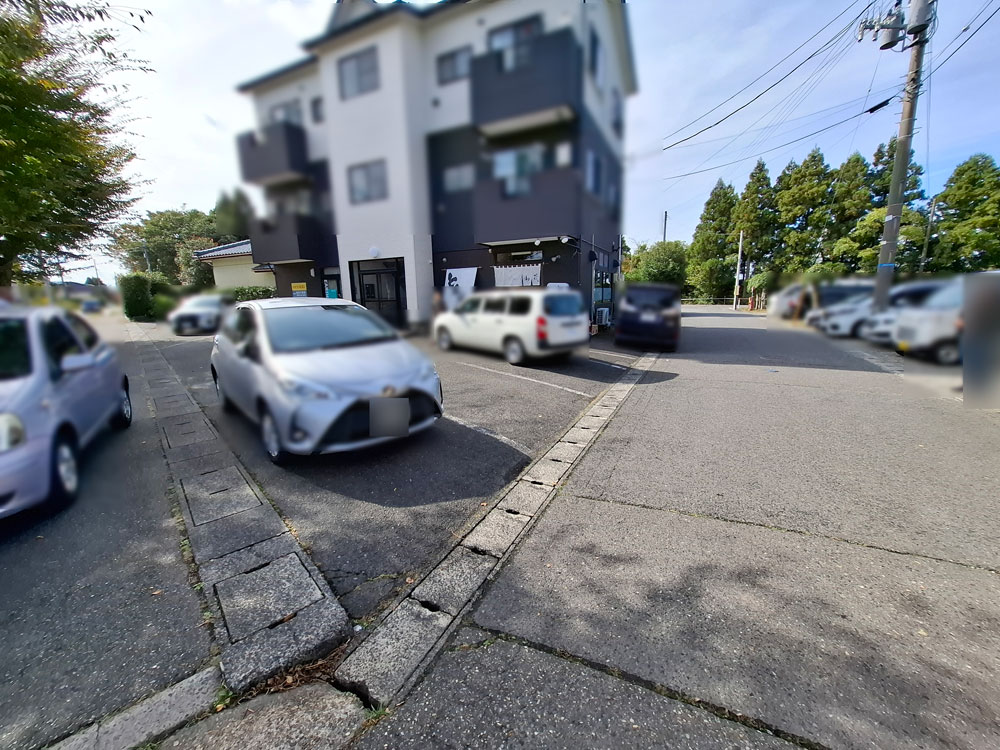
x=736 y=284
x=664 y=226
x=894 y=30
x=927 y=237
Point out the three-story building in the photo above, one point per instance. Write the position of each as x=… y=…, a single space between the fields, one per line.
x=411 y=141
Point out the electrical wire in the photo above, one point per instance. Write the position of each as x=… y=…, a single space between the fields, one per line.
x=765 y=73
x=874 y=109
x=966 y=27
x=746 y=104
x=878 y=58
x=966 y=40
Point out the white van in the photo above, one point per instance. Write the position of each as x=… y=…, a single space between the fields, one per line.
x=932 y=328
x=517 y=322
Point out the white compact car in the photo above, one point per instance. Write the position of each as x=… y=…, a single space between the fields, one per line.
x=879 y=326
x=932 y=328
x=517 y=322
x=848 y=318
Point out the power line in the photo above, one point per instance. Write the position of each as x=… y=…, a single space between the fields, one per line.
x=743 y=106
x=762 y=75
x=870 y=84
x=966 y=40
x=874 y=109
x=967 y=26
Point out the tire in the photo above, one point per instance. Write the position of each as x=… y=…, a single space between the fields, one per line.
x=513 y=351
x=444 y=341
x=64 y=470
x=947 y=353
x=856 y=330
x=123 y=417
x=270 y=439
x=224 y=400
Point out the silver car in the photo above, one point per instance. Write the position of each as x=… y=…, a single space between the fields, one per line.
x=322 y=376
x=60 y=385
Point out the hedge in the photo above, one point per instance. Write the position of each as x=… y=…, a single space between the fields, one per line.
x=136 y=297
x=247 y=293
x=161 y=305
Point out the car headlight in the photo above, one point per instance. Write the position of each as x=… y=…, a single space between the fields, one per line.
x=11 y=432
x=302 y=388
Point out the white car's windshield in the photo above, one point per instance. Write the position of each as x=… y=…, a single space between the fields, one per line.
x=304 y=329
x=948 y=298
x=202 y=302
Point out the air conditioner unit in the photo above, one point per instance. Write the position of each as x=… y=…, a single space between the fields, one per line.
x=603 y=316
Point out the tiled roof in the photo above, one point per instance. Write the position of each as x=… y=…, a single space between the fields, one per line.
x=225 y=251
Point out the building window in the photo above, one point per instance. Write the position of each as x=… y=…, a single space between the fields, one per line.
x=564 y=154
x=594 y=169
x=290 y=111
x=316 y=107
x=596 y=58
x=513 y=42
x=617 y=112
x=454 y=65
x=358 y=73
x=460 y=177
x=515 y=166
x=368 y=182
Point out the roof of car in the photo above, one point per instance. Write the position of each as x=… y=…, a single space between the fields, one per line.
x=17 y=310
x=275 y=302
x=523 y=290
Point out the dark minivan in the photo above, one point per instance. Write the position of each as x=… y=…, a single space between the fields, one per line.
x=649 y=315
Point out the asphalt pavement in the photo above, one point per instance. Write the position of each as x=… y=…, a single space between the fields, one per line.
x=96 y=608
x=373 y=518
x=772 y=530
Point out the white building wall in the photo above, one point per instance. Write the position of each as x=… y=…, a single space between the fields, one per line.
x=238 y=271
x=598 y=99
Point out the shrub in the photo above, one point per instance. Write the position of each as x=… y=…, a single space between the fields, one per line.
x=159 y=284
x=247 y=293
x=161 y=305
x=135 y=291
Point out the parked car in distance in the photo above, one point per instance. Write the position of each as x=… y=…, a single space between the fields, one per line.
x=932 y=328
x=517 y=322
x=878 y=327
x=782 y=303
x=198 y=314
x=322 y=376
x=60 y=385
x=848 y=317
x=649 y=315
x=814 y=298
x=91 y=305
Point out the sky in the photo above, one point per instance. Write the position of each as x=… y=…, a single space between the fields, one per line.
x=185 y=115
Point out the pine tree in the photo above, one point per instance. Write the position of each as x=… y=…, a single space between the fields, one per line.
x=880 y=176
x=969 y=209
x=851 y=200
x=233 y=215
x=803 y=200
x=757 y=216
x=711 y=257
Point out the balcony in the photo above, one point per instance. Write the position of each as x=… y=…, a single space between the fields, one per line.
x=275 y=155
x=290 y=238
x=550 y=208
x=533 y=85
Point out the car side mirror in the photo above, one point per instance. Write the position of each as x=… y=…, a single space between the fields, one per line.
x=75 y=362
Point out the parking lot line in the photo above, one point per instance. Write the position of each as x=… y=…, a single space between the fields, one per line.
x=523 y=377
x=496 y=436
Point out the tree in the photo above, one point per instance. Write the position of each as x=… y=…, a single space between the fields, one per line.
x=880 y=176
x=803 y=200
x=233 y=215
x=710 y=252
x=61 y=162
x=158 y=237
x=865 y=240
x=757 y=216
x=191 y=271
x=662 y=262
x=969 y=210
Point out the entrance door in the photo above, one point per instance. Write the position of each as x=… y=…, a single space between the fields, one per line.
x=381 y=288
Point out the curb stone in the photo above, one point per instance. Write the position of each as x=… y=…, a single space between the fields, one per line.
x=386 y=665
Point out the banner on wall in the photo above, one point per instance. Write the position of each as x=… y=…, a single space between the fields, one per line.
x=459 y=283
x=518 y=275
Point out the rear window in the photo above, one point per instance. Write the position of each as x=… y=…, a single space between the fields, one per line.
x=15 y=354
x=563 y=304
x=639 y=296
x=520 y=305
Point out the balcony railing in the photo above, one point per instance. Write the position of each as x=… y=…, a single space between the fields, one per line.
x=549 y=208
x=537 y=83
x=277 y=154
x=292 y=238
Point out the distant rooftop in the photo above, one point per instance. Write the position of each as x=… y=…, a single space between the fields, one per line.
x=225 y=251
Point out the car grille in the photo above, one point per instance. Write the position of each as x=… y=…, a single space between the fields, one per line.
x=354 y=424
x=907 y=332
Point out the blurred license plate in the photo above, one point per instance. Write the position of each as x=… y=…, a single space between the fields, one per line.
x=903 y=346
x=647 y=317
x=388 y=417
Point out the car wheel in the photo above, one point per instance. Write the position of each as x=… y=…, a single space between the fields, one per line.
x=513 y=351
x=444 y=339
x=947 y=353
x=270 y=438
x=856 y=330
x=65 y=470
x=123 y=417
x=227 y=404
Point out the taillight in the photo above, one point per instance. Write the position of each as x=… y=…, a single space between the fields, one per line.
x=542 y=328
